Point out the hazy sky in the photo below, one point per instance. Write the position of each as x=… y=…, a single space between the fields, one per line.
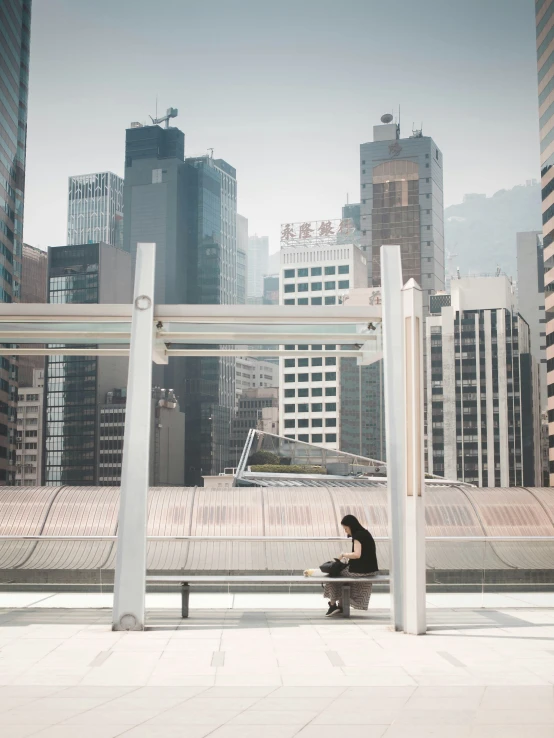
x=284 y=90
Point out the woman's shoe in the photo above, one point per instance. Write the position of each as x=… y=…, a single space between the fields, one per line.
x=333 y=610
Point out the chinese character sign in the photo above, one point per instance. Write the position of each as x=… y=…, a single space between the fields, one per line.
x=319 y=233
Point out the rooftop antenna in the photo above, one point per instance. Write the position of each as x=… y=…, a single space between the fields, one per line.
x=347 y=198
x=170 y=113
x=211 y=153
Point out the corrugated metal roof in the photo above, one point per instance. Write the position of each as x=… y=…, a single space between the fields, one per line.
x=271 y=511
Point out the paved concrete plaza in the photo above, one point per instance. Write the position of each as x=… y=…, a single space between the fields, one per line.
x=278 y=671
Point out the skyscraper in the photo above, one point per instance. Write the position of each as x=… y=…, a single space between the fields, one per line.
x=545 y=64
x=95 y=209
x=258 y=265
x=482 y=387
x=188 y=208
x=34 y=278
x=75 y=386
x=402 y=203
x=242 y=259
x=15 y=35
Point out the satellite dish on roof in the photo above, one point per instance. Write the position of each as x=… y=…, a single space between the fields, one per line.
x=387 y=118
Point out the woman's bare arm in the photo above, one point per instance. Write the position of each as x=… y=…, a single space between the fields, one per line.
x=356 y=553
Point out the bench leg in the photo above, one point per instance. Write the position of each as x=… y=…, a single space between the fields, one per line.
x=346 y=601
x=185 y=592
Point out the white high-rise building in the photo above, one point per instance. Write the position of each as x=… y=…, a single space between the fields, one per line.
x=30 y=405
x=258 y=266
x=317 y=273
x=95 y=209
x=483 y=387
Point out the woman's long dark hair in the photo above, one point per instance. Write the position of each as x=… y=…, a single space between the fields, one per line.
x=353 y=523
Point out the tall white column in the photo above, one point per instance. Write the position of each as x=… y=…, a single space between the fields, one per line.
x=414 y=486
x=130 y=569
x=395 y=416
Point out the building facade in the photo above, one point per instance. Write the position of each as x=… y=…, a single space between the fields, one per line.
x=242 y=259
x=309 y=405
x=15 y=38
x=544 y=10
x=258 y=408
x=34 y=279
x=95 y=209
x=75 y=386
x=188 y=208
x=402 y=203
x=258 y=265
x=30 y=408
x=483 y=387
x=254 y=373
x=167 y=438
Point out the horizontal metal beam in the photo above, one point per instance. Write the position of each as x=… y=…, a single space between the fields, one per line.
x=64 y=352
x=221 y=336
x=263 y=353
x=268 y=314
x=275 y=539
x=60 y=336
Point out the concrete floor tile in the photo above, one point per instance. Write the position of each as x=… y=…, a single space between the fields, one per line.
x=333 y=731
x=26 y=716
x=274 y=717
x=304 y=692
x=254 y=731
x=110 y=716
x=170 y=731
x=96 y=731
x=531 y=716
x=182 y=716
x=539 y=697
x=235 y=691
x=435 y=717
x=276 y=704
x=362 y=717
x=428 y=731
x=511 y=731
x=20 y=731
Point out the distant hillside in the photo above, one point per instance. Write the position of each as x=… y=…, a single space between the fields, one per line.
x=482 y=230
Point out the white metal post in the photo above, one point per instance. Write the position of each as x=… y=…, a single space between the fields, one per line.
x=414 y=546
x=130 y=570
x=395 y=417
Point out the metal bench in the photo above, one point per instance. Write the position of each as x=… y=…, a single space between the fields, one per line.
x=185 y=581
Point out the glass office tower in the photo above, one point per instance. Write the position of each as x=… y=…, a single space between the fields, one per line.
x=15 y=32
x=545 y=64
x=95 y=209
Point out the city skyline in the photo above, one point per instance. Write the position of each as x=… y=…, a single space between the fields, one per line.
x=310 y=99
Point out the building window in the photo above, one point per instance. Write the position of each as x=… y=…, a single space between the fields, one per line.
x=318 y=361
x=329 y=270
x=302 y=301
x=290 y=288
x=330 y=407
x=303 y=392
x=330 y=376
x=317 y=438
x=344 y=284
x=316 y=272
x=290 y=392
x=304 y=423
x=303 y=362
x=303 y=287
x=304 y=437
x=317 y=423
x=289 y=423
x=330 y=422
x=289 y=273
x=289 y=377
x=330 y=437
x=303 y=272
x=290 y=362
x=330 y=361
x=289 y=302
x=316 y=286
x=289 y=408
x=344 y=269
x=330 y=300
x=317 y=407
x=330 y=391
x=317 y=377
x=303 y=377
x=330 y=285
x=317 y=392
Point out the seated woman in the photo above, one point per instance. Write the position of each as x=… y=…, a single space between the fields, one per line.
x=362 y=562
